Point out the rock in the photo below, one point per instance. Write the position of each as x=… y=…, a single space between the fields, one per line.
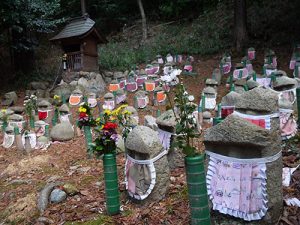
x=143 y=143
x=63 y=90
x=258 y=99
x=167 y=121
x=230 y=99
x=43 y=199
x=17 y=109
x=284 y=83
x=284 y=104
x=96 y=85
x=83 y=74
x=108 y=74
x=211 y=83
x=74 y=83
x=240 y=82
x=10 y=99
x=15 y=117
x=39 y=85
x=217 y=75
x=84 y=169
x=57 y=196
x=118 y=75
x=83 y=82
x=62 y=132
x=40 y=93
x=70 y=189
x=120 y=144
x=107 y=80
x=252 y=84
x=209 y=90
x=240 y=139
x=150 y=121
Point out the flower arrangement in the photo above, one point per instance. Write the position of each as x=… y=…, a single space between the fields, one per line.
x=30 y=105
x=85 y=116
x=3 y=118
x=186 y=127
x=107 y=125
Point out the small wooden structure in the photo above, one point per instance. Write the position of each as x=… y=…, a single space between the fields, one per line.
x=79 y=40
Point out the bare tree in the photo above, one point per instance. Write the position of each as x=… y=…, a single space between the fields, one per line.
x=240 y=23
x=144 y=22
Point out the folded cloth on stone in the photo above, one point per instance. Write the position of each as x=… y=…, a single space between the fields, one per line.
x=32 y=139
x=226 y=111
x=263 y=121
x=240 y=73
x=92 y=102
x=109 y=104
x=75 y=99
x=237 y=188
x=288 y=125
x=264 y=81
x=8 y=140
x=43 y=114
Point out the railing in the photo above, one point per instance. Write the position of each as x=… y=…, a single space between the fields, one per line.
x=74 y=61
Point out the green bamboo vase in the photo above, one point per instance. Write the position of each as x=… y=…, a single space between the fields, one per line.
x=298 y=105
x=111 y=184
x=197 y=191
x=88 y=140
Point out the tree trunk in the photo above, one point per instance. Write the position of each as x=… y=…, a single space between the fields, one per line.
x=144 y=24
x=240 y=23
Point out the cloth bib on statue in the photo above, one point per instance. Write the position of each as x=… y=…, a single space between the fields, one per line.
x=32 y=139
x=261 y=121
x=113 y=87
x=8 y=140
x=210 y=103
x=140 y=176
x=288 y=125
x=131 y=86
x=264 y=81
x=237 y=187
x=289 y=95
x=240 y=73
x=140 y=81
x=19 y=124
x=120 y=98
x=165 y=138
x=64 y=118
x=188 y=68
x=226 y=111
x=149 y=86
x=92 y=102
x=43 y=114
x=142 y=102
x=226 y=68
x=75 y=100
x=160 y=96
x=109 y=104
x=40 y=131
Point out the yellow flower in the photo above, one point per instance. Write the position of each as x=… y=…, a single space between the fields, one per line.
x=107 y=112
x=56 y=97
x=82 y=109
x=101 y=127
x=3 y=110
x=126 y=112
x=98 y=119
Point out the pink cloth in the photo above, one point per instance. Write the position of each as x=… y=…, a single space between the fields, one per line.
x=120 y=99
x=289 y=95
x=130 y=182
x=122 y=84
x=292 y=64
x=188 y=68
x=251 y=55
x=131 y=87
x=142 y=102
x=237 y=189
x=288 y=125
x=264 y=81
x=236 y=73
x=140 y=81
x=226 y=68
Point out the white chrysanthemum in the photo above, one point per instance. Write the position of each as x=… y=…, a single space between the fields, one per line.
x=191 y=98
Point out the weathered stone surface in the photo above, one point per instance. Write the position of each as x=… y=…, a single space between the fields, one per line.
x=120 y=144
x=239 y=89
x=284 y=104
x=108 y=74
x=230 y=99
x=62 y=132
x=209 y=90
x=15 y=117
x=150 y=121
x=35 y=85
x=10 y=99
x=70 y=189
x=258 y=99
x=57 y=196
x=63 y=90
x=83 y=82
x=118 y=75
x=217 y=75
x=167 y=121
x=143 y=143
x=252 y=84
x=284 y=83
x=43 y=198
x=238 y=138
x=211 y=82
x=17 y=109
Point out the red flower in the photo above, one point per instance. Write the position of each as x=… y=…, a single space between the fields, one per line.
x=83 y=115
x=110 y=125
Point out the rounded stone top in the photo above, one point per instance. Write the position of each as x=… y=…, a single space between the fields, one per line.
x=44 y=103
x=240 y=82
x=284 y=81
x=252 y=84
x=9 y=129
x=64 y=108
x=209 y=90
x=40 y=123
x=230 y=99
x=258 y=99
x=239 y=65
x=141 y=93
x=15 y=117
x=144 y=140
x=210 y=81
x=167 y=121
x=77 y=92
x=207 y=115
x=114 y=82
x=284 y=104
x=280 y=73
x=108 y=96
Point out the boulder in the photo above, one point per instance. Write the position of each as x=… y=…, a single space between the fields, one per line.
x=230 y=99
x=17 y=109
x=39 y=85
x=150 y=121
x=57 y=196
x=167 y=121
x=62 y=132
x=10 y=99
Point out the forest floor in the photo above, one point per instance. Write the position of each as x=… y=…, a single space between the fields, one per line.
x=23 y=176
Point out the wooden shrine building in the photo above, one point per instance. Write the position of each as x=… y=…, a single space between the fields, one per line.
x=79 y=40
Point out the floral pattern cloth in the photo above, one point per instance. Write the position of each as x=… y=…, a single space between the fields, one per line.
x=237 y=189
x=288 y=125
